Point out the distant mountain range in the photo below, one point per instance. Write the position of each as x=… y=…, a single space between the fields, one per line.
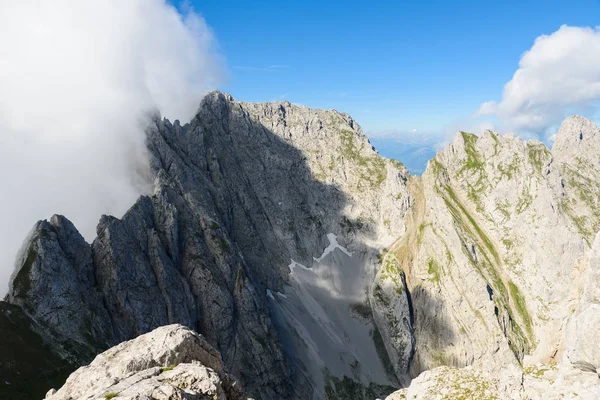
x=413 y=155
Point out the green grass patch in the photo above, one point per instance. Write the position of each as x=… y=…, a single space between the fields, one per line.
x=524 y=201
x=434 y=269
x=372 y=168
x=391 y=269
x=503 y=207
x=473 y=158
x=421 y=232
x=482 y=236
x=474 y=164
x=538 y=154
x=511 y=169
x=436 y=167
x=169 y=368
x=347 y=388
x=520 y=306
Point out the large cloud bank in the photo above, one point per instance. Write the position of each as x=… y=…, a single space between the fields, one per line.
x=77 y=81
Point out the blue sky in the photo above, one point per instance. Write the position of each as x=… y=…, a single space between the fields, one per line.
x=394 y=66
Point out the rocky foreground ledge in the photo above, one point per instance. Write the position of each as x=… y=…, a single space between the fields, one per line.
x=171 y=362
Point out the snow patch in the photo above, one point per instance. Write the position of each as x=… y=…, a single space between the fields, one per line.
x=333 y=244
x=270 y=294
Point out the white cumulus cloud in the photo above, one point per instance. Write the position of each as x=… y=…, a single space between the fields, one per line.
x=560 y=74
x=77 y=80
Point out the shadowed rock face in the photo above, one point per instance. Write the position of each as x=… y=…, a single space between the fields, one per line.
x=239 y=192
x=28 y=366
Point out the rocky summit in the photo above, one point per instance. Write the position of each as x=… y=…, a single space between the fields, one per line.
x=280 y=257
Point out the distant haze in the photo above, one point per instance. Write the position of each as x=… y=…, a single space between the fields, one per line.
x=413 y=155
x=78 y=79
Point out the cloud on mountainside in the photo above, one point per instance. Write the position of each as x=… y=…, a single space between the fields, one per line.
x=78 y=79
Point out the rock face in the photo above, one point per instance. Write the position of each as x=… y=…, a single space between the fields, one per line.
x=319 y=269
x=496 y=259
x=445 y=383
x=171 y=362
x=582 y=333
x=539 y=382
x=239 y=192
x=56 y=285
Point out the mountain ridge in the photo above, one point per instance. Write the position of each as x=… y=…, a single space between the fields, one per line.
x=318 y=268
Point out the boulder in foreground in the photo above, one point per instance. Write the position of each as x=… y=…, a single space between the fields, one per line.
x=171 y=362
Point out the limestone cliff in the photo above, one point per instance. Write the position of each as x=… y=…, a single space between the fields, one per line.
x=239 y=192
x=497 y=259
x=318 y=269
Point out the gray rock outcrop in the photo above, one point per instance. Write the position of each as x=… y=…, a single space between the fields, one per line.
x=582 y=348
x=171 y=362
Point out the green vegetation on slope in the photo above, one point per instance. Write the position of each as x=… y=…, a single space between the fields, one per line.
x=474 y=166
x=434 y=269
x=390 y=269
x=473 y=158
x=489 y=265
x=582 y=209
x=372 y=168
x=519 y=302
x=509 y=170
x=538 y=154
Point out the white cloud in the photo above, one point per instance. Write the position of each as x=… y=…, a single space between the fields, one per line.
x=77 y=79
x=560 y=74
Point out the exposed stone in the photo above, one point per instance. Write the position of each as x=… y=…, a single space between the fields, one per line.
x=445 y=383
x=171 y=362
x=582 y=348
x=318 y=268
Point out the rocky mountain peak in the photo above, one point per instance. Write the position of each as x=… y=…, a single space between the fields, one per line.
x=319 y=269
x=576 y=137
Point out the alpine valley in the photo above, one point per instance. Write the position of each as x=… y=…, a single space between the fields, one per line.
x=280 y=257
